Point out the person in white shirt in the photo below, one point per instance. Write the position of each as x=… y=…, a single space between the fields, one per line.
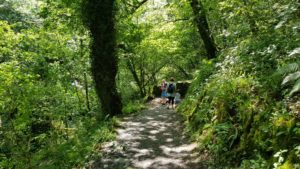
x=177 y=98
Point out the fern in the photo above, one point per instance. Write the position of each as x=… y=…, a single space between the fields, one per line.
x=291 y=78
x=290 y=68
x=296 y=87
x=291 y=73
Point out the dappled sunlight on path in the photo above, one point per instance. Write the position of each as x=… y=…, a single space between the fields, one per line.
x=152 y=139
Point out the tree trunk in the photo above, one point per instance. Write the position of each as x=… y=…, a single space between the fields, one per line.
x=203 y=29
x=132 y=69
x=100 y=20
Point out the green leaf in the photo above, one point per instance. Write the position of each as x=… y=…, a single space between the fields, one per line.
x=291 y=77
x=290 y=68
x=296 y=88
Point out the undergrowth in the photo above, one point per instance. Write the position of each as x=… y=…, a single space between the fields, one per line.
x=238 y=110
x=133 y=107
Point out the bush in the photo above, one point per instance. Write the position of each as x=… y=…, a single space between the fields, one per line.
x=133 y=107
x=238 y=114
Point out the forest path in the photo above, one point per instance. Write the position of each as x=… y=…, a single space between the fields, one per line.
x=153 y=139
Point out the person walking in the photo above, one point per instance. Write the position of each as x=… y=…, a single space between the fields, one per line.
x=177 y=97
x=163 y=89
x=171 y=91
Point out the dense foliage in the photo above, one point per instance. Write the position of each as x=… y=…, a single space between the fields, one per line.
x=48 y=104
x=64 y=64
x=245 y=109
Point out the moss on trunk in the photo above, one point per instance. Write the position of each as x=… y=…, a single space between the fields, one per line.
x=100 y=20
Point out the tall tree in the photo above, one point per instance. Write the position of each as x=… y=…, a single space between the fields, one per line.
x=203 y=28
x=99 y=17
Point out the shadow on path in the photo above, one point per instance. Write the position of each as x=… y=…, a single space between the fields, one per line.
x=153 y=139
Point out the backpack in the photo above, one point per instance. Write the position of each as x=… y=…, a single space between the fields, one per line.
x=171 y=88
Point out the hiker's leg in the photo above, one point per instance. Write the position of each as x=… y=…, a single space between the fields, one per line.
x=163 y=97
x=172 y=101
x=162 y=101
x=175 y=102
x=168 y=101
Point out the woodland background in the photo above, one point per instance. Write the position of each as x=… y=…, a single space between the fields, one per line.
x=67 y=68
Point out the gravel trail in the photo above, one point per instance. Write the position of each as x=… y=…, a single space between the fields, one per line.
x=153 y=139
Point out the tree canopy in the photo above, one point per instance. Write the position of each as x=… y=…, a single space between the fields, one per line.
x=68 y=68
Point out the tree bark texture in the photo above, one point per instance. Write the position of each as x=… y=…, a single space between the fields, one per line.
x=203 y=28
x=100 y=21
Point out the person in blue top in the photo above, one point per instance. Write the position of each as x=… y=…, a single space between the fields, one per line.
x=171 y=91
x=163 y=89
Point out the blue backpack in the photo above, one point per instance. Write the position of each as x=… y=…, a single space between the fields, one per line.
x=171 y=88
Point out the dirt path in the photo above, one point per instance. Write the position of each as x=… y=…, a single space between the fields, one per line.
x=154 y=140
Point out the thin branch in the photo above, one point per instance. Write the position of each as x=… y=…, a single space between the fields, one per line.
x=135 y=8
x=176 y=20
